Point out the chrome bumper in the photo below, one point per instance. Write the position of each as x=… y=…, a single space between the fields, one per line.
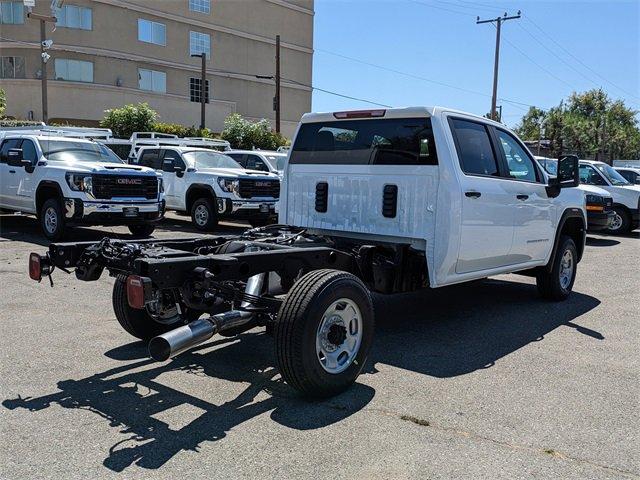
x=78 y=209
x=227 y=206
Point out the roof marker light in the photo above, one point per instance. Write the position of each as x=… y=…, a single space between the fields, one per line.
x=360 y=114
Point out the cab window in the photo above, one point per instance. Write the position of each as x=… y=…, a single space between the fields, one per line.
x=474 y=148
x=255 y=163
x=519 y=163
x=241 y=158
x=589 y=176
x=6 y=145
x=150 y=158
x=177 y=160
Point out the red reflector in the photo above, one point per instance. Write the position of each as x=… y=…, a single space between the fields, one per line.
x=135 y=291
x=35 y=267
x=360 y=114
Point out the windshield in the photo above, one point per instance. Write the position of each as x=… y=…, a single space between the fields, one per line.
x=69 y=151
x=612 y=175
x=202 y=159
x=276 y=161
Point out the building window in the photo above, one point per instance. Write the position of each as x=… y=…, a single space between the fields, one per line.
x=12 y=67
x=201 y=6
x=72 y=16
x=11 y=13
x=199 y=43
x=194 y=90
x=152 y=32
x=152 y=80
x=74 y=70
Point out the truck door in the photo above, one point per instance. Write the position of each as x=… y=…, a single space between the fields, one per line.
x=174 y=185
x=486 y=230
x=23 y=188
x=533 y=210
x=9 y=174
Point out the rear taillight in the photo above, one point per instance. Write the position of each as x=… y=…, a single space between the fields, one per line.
x=138 y=291
x=35 y=267
x=360 y=114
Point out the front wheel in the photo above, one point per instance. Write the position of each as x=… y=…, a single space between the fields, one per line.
x=557 y=284
x=204 y=215
x=150 y=322
x=141 y=231
x=324 y=332
x=52 y=219
x=621 y=222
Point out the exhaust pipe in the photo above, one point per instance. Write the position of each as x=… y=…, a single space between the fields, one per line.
x=174 y=342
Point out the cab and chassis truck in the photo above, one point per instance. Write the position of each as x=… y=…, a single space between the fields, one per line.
x=382 y=201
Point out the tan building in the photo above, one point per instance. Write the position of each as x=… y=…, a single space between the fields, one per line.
x=107 y=53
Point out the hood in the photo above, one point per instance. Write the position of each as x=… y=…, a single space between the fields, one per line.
x=593 y=190
x=238 y=173
x=635 y=188
x=103 y=167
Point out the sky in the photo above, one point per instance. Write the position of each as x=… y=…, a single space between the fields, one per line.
x=433 y=53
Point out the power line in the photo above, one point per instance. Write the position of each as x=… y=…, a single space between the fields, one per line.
x=338 y=94
x=578 y=60
x=441 y=8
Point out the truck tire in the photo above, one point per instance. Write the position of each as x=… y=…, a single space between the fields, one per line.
x=52 y=220
x=142 y=231
x=323 y=332
x=138 y=322
x=621 y=222
x=204 y=215
x=556 y=284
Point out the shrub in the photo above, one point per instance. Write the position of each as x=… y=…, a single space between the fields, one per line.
x=3 y=102
x=181 y=130
x=8 y=123
x=243 y=134
x=128 y=119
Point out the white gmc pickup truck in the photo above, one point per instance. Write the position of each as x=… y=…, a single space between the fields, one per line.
x=380 y=201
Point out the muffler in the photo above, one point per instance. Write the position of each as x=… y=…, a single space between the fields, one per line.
x=170 y=344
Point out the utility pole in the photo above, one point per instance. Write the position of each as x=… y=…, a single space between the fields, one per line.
x=203 y=87
x=44 y=56
x=498 y=21
x=276 y=99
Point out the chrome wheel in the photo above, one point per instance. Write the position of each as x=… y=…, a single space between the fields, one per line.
x=51 y=220
x=163 y=308
x=567 y=266
x=616 y=222
x=339 y=336
x=201 y=215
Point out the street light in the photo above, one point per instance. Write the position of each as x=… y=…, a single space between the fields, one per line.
x=203 y=83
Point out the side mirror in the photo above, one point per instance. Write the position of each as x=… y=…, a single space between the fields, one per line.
x=568 y=175
x=14 y=157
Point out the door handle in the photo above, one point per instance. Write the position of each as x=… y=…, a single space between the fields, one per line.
x=12 y=171
x=472 y=194
x=522 y=197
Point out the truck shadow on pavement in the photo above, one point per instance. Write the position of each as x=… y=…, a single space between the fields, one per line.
x=130 y=396
x=419 y=332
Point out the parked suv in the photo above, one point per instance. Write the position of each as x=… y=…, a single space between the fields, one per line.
x=210 y=185
x=626 y=197
x=71 y=181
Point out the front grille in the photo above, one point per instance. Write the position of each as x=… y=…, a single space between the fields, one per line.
x=113 y=186
x=259 y=188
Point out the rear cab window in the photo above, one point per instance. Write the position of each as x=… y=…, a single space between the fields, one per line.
x=393 y=141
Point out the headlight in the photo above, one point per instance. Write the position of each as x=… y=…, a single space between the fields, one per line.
x=595 y=199
x=229 y=185
x=80 y=182
x=160 y=185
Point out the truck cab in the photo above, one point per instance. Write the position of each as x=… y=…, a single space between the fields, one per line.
x=67 y=181
x=461 y=188
x=210 y=185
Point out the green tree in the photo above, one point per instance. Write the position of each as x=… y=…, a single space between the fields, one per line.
x=3 y=102
x=128 y=119
x=243 y=134
x=587 y=124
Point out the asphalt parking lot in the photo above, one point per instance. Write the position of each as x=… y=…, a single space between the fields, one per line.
x=476 y=381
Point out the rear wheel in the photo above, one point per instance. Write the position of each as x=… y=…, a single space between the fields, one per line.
x=324 y=332
x=204 y=215
x=141 y=231
x=621 y=222
x=150 y=322
x=52 y=219
x=557 y=284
